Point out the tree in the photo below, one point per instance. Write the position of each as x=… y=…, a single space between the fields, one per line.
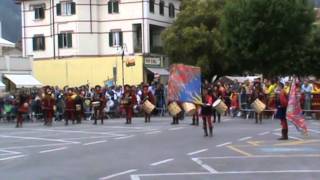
x=268 y=36
x=195 y=37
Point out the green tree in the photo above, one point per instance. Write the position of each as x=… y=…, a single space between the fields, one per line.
x=195 y=37
x=268 y=36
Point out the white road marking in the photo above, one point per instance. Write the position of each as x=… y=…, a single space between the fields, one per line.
x=264 y=156
x=205 y=166
x=197 y=152
x=161 y=162
x=314 y=131
x=36 y=146
x=137 y=176
x=96 y=142
x=80 y=132
x=244 y=138
x=39 y=138
x=224 y=144
x=12 y=157
x=118 y=174
x=177 y=128
x=124 y=137
x=264 y=133
x=292 y=137
x=277 y=129
x=52 y=150
x=90 y=137
x=153 y=132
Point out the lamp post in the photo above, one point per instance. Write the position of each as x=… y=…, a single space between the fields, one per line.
x=123 y=48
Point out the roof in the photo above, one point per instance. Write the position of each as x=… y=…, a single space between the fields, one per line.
x=5 y=43
x=23 y=80
x=159 y=71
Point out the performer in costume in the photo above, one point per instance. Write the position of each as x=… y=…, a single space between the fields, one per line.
x=206 y=112
x=48 y=106
x=23 y=108
x=282 y=104
x=128 y=101
x=70 y=106
x=79 y=99
x=195 y=117
x=147 y=95
x=258 y=94
x=215 y=96
x=98 y=103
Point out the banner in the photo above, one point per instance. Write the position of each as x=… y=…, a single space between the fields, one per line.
x=185 y=84
x=294 y=112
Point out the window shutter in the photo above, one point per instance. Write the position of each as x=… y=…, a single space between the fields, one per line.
x=43 y=39
x=59 y=9
x=34 y=43
x=110 y=7
x=41 y=13
x=151 y=6
x=121 y=38
x=110 y=39
x=60 y=43
x=73 y=8
x=116 y=7
x=69 y=37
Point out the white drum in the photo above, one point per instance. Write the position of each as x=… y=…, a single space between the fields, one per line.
x=258 y=106
x=220 y=106
x=148 y=107
x=174 y=108
x=189 y=108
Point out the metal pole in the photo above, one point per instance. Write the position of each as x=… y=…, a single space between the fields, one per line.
x=122 y=60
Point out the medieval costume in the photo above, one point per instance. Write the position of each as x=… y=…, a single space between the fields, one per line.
x=206 y=112
x=98 y=104
x=48 y=106
x=70 y=107
x=147 y=95
x=128 y=101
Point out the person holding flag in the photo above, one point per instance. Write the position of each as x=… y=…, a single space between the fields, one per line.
x=282 y=103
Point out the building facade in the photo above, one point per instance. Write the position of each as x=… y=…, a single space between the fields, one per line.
x=75 y=42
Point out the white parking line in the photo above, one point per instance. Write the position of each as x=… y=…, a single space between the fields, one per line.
x=80 y=132
x=36 y=146
x=224 y=144
x=12 y=157
x=244 y=138
x=137 y=176
x=96 y=142
x=52 y=150
x=39 y=138
x=277 y=129
x=177 y=128
x=197 y=152
x=264 y=133
x=125 y=137
x=314 y=131
x=153 y=132
x=161 y=162
x=118 y=174
x=205 y=166
x=6 y=152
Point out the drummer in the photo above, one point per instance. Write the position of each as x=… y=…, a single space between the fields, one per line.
x=98 y=104
x=70 y=106
x=206 y=112
x=258 y=94
x=147 y=95
x=128 y=101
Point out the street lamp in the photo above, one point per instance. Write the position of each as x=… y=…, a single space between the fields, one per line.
x=123 y=48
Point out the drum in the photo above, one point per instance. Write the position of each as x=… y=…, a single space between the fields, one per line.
x=189 y=108
x=148 y=107
x=78 y=107
x=220 y=106
x=258 y=106
x=174 y=109
x=87 y=102
x=96 y=104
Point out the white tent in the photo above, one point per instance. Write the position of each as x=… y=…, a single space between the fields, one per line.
x=5 y=43
x=23 y=80
x=242 y=79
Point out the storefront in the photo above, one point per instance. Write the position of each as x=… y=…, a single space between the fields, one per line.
x=156 y=69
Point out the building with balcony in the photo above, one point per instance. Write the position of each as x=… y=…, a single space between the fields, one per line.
x=76 y=42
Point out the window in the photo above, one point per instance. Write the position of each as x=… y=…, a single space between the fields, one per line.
x=115 y=38
x=161 y=8
x=151 y=6
x=39 y=11
x=65 y=40
x=38 y=42
x=171 y=10
x=113 y=6
x=66 y=8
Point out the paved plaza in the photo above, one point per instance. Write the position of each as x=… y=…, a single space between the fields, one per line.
x=238 y=150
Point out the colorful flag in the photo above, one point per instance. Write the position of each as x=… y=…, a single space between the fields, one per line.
x=184 y=84
x=294 y=112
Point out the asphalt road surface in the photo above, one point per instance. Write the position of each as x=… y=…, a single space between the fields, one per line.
x=238 y=150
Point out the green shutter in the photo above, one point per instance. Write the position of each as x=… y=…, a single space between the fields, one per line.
x=116 y=7
x=34 y=43
x=110 y=39
x=73 y=8
x=43 y=39
x=59 y=9
x=69 y=38
x=110 y=7
x=60 y=41
x=121 y=38
x=41 y=13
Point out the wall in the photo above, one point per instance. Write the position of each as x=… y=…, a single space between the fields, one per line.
x=92 y=70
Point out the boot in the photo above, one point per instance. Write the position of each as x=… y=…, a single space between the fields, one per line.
x=284 y=133
x=205 y=132
x=210 y=130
